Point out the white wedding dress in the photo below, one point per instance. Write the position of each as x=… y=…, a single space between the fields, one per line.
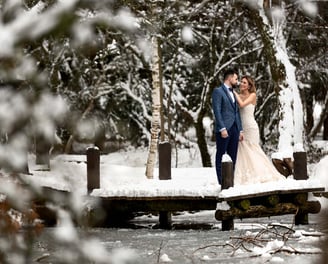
x=252 y=165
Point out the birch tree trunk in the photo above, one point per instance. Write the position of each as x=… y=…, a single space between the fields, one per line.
x=291 y=128
x=156 y=109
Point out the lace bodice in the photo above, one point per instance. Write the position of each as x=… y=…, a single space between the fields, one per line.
x=247 y=116
x=250 y=127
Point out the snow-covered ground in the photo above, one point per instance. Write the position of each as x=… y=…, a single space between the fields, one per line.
x=123 y=174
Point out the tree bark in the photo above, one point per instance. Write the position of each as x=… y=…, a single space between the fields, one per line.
x=277 y=69
x=322 y=118
x=202 y=144
x=169 y=99
x=325 y=129
x=290 y=127
x=161 y=89
x=156 y=108
x=308 y=101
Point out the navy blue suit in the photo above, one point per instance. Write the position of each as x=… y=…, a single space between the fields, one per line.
x=227 y=116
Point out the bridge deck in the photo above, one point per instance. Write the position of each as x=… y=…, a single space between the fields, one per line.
x=272 y=192
x=116 y=207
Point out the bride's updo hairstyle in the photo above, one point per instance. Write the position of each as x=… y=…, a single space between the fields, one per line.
x=251 y=83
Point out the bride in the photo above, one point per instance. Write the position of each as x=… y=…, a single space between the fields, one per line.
x=252 y=165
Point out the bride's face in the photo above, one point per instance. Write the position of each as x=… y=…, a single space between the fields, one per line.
x=243 y=85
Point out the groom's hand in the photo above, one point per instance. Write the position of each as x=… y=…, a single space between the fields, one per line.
x=224 y=133
x=241 y=136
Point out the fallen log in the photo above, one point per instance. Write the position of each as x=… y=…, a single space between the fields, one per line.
x=255 y=211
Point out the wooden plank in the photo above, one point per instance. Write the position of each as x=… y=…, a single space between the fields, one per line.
x=157 y=205
x=158 y=198
x=262 y=194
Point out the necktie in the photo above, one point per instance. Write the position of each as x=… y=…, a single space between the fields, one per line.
x=230 y=89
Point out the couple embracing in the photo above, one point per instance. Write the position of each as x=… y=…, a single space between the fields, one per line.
x=237 y=133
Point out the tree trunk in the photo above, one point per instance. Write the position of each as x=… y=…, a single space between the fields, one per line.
x=325 y=129
x=161 y=90
x=156 y=108
x=202 y=145
x=42 y=149
x=322 y=118
x=291 y=121
x=277 y=69
x=169 y=99
x=309 y=112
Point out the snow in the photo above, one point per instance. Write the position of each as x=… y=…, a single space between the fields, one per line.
x=46 y=111
x=291 y=127
x=96 y=251
x=126 y=19
x=276 y=260
x=270 y=247
x=187 y=34
x=205 y=257
x=122 y=174
x=123 y=255
x=65 y=230
x=320 y=171
x=321 y=144
x=165 y=258
x=310 y=8
x=69 y=173
x=288 y=184
x=299 y=147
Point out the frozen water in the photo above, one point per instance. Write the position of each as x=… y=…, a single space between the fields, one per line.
x=184 y=244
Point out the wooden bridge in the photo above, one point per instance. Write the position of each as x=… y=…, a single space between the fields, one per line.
x=116 y=209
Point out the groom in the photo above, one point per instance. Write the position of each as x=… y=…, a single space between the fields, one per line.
x=228 y=128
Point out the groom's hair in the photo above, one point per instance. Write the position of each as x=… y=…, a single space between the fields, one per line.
x=229 y=72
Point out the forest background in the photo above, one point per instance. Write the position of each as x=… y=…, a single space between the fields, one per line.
x=98 y=60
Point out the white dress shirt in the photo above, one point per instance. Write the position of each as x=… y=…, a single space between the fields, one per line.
x=230 y=93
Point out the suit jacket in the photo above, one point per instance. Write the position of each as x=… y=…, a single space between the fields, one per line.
x=226 y=111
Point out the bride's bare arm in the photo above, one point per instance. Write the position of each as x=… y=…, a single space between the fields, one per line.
x=251 y=99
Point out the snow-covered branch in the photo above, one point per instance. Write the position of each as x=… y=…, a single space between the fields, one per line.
x=33 y=24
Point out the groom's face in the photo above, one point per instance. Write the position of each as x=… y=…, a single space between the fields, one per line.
x=234 y=80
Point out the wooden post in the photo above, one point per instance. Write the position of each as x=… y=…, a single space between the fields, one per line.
x=164 y=166
x=300 y=173
x=164 y=157
x=300 y=166
x=227 y=175
x=24 y=168
x=93 y=168
x=165 y=219
x=42 y=148
x=227 y=181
